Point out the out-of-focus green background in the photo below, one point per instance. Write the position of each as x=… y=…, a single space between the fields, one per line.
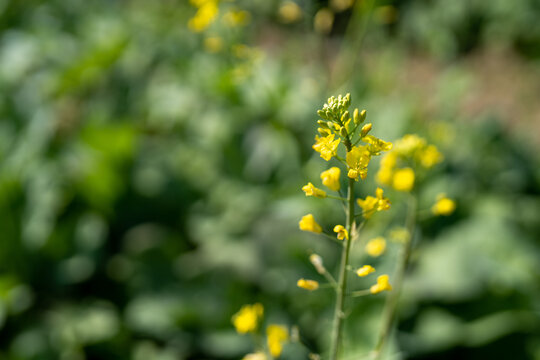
x=150 y=173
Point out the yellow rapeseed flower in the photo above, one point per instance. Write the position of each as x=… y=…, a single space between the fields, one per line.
x=204 y=17
x=342 y=233
x=357 y=161
x=330 y=178
x=403 y=179
x=375 y=247
x=307 y=284
x=430 y=156
x=308 y=223
x=376 y=145
x=247 y=319
x=323 y=21
x=372 y=204
x=276 y=336
x=381 y=285
x=444 y=206
x=311 y=190
x=326 y=146
x=365 y=270
x=290 y=12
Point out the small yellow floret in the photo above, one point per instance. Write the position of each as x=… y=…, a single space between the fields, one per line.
x=308 y=223
x=372 y=204
x=276 y=336
x=326 y=146
x=403 y=179
x=358 y=160
x=382 y=285
x=246 y=320
x=443 y=206
x=375 y=247
x=330 y=178
x=307 y=284
x=311 y=190
x=365 y=270
x=342 y=233
x=237 y=18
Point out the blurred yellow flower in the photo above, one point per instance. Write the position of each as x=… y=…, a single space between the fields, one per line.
x=290 y=12
x=357 y=161
x=247 y=319
x=213 y=44
x=400 y=235
x=342 y=233
x=235 y=18
x=375 y=247
x=340 y=5
x=444 y=206
x=430 y=156
x=330 y=178
x=308 y=223
x=403 y=179
x=276 y=336
x=311 y=190
x=382 y=285
x=365 y=270
x=307 y=284
x=255 y=356
x=323 y=21
x=205 y=15
x=326 y=146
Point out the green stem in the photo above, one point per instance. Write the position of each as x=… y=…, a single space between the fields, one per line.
x=390 y=306
x=341 y=289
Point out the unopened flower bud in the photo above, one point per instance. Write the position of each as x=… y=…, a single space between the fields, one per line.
x=324 y=132
x=365 y=129
x=317 y=262
x=322 y=124
x=363 y=115
x=343 y=132
x=345 y=117
x=356 y=117
x=322 y=114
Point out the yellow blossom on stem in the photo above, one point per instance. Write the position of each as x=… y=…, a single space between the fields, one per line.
x=444 y=206
x=342 y=233
x=372 y=204
x=330 y=178
x=308 y=223
x=381 y=285
x=307 y=284
x=357 y=161
x=326 y=146
x=403 y=179
x=247 y=319
x=365 y=270
x=375 y=247
x=376 y=145
x=311 y=190
x=276 y=336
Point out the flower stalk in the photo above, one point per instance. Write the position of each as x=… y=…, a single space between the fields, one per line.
x=390 y=306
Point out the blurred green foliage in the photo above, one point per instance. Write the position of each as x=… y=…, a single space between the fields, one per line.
x=150 y=187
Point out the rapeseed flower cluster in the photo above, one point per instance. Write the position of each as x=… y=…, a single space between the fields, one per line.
x=247 y=320
x=410 y=150
x=340 y=130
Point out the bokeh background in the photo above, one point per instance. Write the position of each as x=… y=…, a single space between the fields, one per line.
x=152 y=155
